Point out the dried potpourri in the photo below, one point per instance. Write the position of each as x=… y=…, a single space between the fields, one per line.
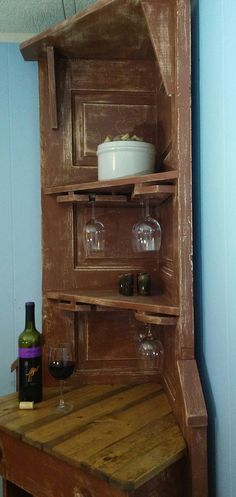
x=124 y=137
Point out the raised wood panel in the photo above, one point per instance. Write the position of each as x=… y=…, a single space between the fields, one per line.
x=107 y=341
x=97 y=115
x=96 y=99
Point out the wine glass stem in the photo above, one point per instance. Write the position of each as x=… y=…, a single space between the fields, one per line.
x=147 y=207
x=93 y=211
x=61 y=401
x=149 y=330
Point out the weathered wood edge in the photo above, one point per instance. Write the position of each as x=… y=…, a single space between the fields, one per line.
x=157 y=13
x=113 y=300
x=52 y=86
x=29 y=46
x=194 y=403
x=101 y=185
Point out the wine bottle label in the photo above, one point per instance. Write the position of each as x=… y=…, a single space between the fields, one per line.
x=30 y=379
x=30 y=353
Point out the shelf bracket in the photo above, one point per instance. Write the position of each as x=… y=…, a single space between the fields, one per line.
x=153 y=191
x=72 y=197
x=73 y=307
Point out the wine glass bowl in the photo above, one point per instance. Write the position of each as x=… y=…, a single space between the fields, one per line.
x=61 y=365
x=146 y=233
x=94 y=234
x=150 y=352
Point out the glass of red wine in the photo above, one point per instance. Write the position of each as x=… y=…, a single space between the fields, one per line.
x=61 y=365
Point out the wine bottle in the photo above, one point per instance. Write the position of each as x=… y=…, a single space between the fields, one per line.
x=30 y=359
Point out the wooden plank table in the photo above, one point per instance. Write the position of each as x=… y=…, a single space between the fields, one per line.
x=117 y=440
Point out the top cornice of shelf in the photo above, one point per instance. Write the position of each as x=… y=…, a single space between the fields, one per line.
x=109 y=29
x=114 y=30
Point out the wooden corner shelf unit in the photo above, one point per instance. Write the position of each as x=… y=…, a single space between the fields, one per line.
x=119 y=66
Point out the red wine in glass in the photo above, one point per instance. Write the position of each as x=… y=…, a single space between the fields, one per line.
x=61 y=370
x=61 y=365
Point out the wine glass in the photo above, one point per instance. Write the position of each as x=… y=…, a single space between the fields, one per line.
x=150 y=350
x=94 y=234
x=146 y=233
x=61 y=365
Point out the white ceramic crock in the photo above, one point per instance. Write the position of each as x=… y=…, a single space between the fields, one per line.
x=118 y=159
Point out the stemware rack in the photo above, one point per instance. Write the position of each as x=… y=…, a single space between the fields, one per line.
x=154 y=309
x=158 y=186
x=123 y=191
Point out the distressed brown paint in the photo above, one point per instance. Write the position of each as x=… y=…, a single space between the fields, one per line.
x=119 y=66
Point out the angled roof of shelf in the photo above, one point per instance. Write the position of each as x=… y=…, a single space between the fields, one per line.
x=113 y=29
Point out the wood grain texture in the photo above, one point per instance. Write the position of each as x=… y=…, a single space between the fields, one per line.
x=159 y=303
x=194 y=404
x=110 y=185
x=107 y=423
x=52 y=86
x=155 y=319
x=11 y=490
x=97 y=114
x=118 y=253
x=121 y=63
x=183 y=145
x=163 y=40
x=48 y=475
x=110 y=29
x=170 y=483
x=194 y=426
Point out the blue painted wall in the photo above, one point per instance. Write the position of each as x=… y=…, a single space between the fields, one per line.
x=214 y=153
x=20 y=214
x=20 y=222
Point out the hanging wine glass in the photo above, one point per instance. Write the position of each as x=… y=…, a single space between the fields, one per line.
x=150 y=352
x=94 y=234
x=146 y=233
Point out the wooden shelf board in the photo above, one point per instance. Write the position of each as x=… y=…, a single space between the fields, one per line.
x=117 y=185
x=155 y=304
